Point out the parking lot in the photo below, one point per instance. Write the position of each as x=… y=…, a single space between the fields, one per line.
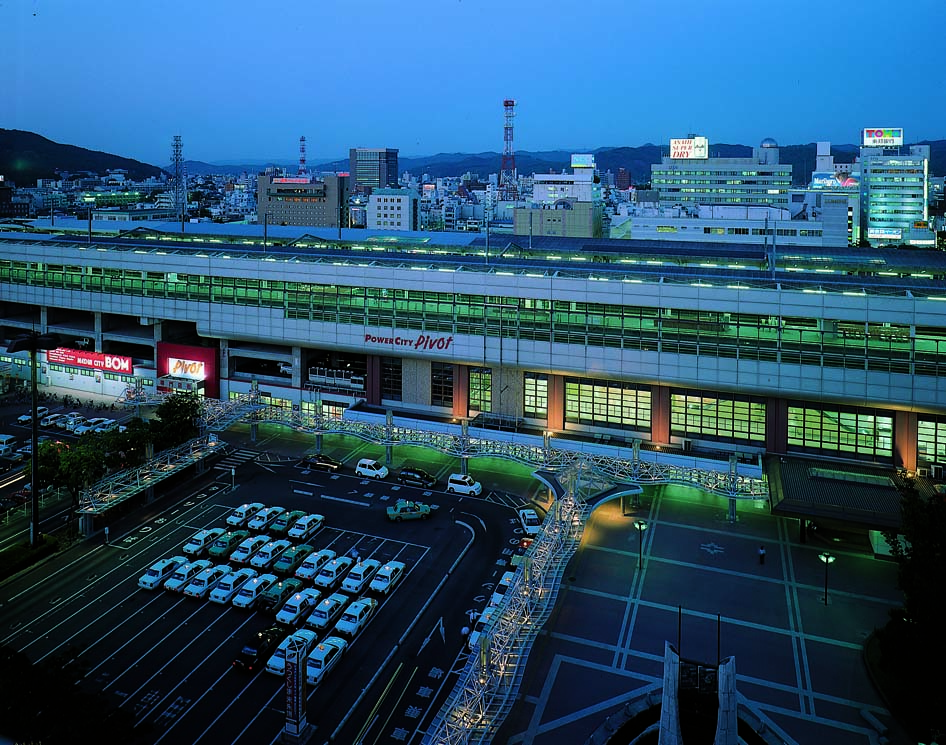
x=169 y=658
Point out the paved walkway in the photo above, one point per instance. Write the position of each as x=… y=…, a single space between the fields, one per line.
x=798 y=659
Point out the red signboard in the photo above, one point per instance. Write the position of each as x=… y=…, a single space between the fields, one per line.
x=92 y=360
x=195 y=363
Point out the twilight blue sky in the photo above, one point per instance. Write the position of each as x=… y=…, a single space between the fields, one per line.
x=241 y=80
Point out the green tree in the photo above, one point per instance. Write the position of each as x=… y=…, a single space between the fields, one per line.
x=912 y=642
x=179 y=415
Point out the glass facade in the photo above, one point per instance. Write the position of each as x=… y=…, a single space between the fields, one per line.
x=846 y=432
x=931 y=439
x=829 y=343
x=535 y=388
x=717 y=416
x=607 y=403
x=481 y=389
x=441 y=384
x=391 y=383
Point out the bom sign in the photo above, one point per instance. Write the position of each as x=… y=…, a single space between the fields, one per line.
x=91 y=360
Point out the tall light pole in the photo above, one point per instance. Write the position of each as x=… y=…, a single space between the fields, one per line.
x=828 y=558
x=641 y=527
x=32 y=342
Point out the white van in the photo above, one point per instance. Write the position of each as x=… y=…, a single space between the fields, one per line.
x=7 y=441
x=459 y=483
x=371 y=469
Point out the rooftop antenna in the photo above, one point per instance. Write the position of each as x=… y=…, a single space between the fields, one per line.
x=507 y=174
x=179 y=187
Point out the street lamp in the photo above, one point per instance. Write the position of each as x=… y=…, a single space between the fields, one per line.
x=32 y=342
x=827 y=558
x=641 y=527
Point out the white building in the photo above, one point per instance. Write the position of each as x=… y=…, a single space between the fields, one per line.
x=392 y=209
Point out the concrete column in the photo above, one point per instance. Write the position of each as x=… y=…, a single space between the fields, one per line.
x=224 y=359
x=670 y=732
x=297 y=372
x=461 y=391
x=905 y=434
x=556 y=402
x=660 y=414
x=373 y=379
x=727 y=720
x=776 y=425
x=43 y=319
x=98 y=331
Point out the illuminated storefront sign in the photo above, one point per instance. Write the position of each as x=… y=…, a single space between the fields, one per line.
x=885 y=234
x=291 y=180
x=883 y=137
x=193 y=369
x=91 y=360
x=689 y=148
x=421 y=341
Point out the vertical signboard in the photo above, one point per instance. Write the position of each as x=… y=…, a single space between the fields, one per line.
x=295 y=690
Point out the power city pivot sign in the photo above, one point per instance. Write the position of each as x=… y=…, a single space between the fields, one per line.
x=892 y=137
x=424 y=342
x=90 y=360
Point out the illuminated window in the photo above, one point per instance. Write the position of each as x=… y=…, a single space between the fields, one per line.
x=607 y=403
x=536 y=395
x=718 y=416
x=844 y=432
x=481 y=389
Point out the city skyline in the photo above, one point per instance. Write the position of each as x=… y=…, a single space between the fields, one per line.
x=240 y=86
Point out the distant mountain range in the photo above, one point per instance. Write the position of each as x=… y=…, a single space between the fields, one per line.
x=25 y=157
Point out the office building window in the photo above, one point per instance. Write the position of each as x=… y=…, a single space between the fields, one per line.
x=535 y=395
x=441 y=384
x=391 y=378
x=607 y=403
x=841 y=432
x=481 y=389
x=717 y=417
x=931 y=439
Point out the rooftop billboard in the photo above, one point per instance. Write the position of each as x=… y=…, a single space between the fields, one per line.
x=891 y=136
x=689 y=148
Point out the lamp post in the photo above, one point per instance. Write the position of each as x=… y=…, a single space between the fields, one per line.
x=641 y=527
x=827 y=558
x=32 y=342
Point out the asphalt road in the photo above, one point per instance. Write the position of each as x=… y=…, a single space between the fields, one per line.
x=168 y=658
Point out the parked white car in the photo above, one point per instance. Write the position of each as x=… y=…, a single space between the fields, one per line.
x=356 y=617
x=360 y=575
x=265 y=557
x=326 y=613
x=387 y=577
x=185 y=573
x=89 y=425
x=306 y=527
x=314 y=563
x=371 y=469
x=459 y=483
x=277 y=663
x=298 y=606
x=531 y=523
x=159 y=572
x=252 y=590
x=242 y=514
x=206 y=581
x=264 y=517
x=201 y=541
x=323 y=658
x=231 y=585
x=26 y=418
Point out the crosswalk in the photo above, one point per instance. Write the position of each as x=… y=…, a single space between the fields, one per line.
x=235 y=459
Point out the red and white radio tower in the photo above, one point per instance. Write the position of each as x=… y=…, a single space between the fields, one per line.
x=507 y=175
x=302 y=168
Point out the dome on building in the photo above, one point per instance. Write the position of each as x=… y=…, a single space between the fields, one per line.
x=769 y=142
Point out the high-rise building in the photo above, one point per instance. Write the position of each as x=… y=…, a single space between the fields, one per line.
x=689 y=176
x=622 y=181
x=894 y=184
x=372 y=168
x=302 y=200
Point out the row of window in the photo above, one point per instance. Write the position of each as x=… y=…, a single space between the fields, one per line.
x=919 y=350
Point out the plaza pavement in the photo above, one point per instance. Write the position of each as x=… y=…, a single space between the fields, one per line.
x=797 y=659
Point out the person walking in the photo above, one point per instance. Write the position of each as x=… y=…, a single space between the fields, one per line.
x=761 y=554
x=106 y=535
